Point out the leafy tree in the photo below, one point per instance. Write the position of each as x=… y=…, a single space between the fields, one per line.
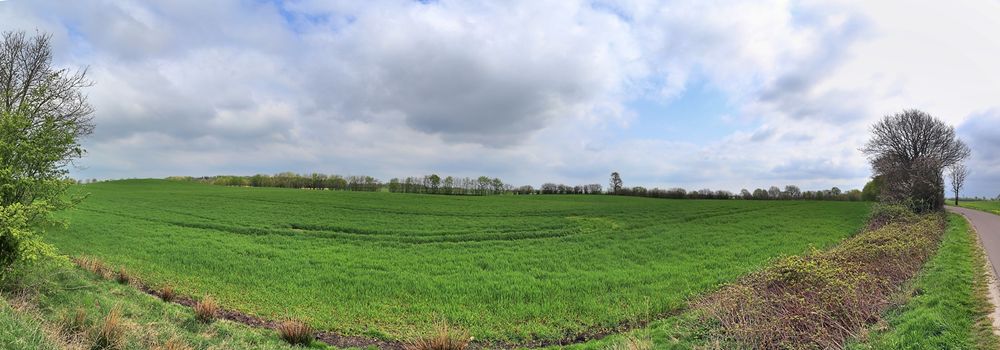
x=43 y=116
x=872 y=189
x=435 y=181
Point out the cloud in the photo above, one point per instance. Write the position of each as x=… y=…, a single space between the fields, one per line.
x=530 y=91
x=982 y=134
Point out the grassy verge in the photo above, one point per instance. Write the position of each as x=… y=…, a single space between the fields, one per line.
x=823 y=299
x=63 y=307
x=20 y=332
x=950 y=309
x=987 y=206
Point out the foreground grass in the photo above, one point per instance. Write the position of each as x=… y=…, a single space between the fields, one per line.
x=41 y=312
x=987 y=206
x=950 y=309
x=387 y=265
x=18 y=331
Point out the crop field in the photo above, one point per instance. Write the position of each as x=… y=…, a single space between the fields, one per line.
x=390 y=265
x=987 y=206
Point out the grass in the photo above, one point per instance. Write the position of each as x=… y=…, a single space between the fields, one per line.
x=114 y=316
x=987 y=206
x=445 y=337
x=943 y=307
x=950 y=309
x=296 y=332
x=21 y=332
x=206 y=310
x=388 y=265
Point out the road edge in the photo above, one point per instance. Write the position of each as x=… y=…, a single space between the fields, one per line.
x=992 y=285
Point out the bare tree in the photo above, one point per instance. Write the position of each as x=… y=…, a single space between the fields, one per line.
x=774 y=192
x=958 y=173
x=910 y=150
x=616 y=183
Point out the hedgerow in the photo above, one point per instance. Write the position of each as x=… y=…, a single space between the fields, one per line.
x=821 y=299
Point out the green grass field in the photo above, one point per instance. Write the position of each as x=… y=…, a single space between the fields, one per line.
x=57 y=292
x=510 y=268
x=987 y=206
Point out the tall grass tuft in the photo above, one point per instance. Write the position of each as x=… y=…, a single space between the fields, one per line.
x=206 y=310
x=445 y=337
x=74 y=323
x=122 y=276
x=110 y=334
x=167 y=293
x=296 y=332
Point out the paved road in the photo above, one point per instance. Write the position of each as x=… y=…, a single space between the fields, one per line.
x=988 y=227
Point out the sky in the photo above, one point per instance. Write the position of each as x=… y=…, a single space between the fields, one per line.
x=696 y=94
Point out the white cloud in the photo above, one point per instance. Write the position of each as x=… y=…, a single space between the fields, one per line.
x=530 y=91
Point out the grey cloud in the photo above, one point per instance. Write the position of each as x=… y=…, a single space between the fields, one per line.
x=982 y=133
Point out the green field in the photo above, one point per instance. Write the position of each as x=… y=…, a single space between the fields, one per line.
x=987 y=206
x=511 y=268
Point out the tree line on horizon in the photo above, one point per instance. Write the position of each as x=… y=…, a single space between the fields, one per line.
x=484 y=185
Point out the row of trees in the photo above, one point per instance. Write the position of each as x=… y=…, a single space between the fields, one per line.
x=791 y=192
x=484 y=185
x=292 y=180
x=434 y=184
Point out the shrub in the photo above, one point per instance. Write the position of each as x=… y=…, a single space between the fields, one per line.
x=206 y=310
x=167 y=293
x=445 y=337
x=111 y=332
x=296 y=332
x=821 y=299
x=122 y=276
x=882 y=214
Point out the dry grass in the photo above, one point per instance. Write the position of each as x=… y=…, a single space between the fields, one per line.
x=122 y=276
x=296 y=332
x=822 y=299
x=445 y=337
x=174 y=343
x=94 y=265
x=167 y=293
x=74 y=323
x=632 y=343
x=206 y=310
x=110 y=334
